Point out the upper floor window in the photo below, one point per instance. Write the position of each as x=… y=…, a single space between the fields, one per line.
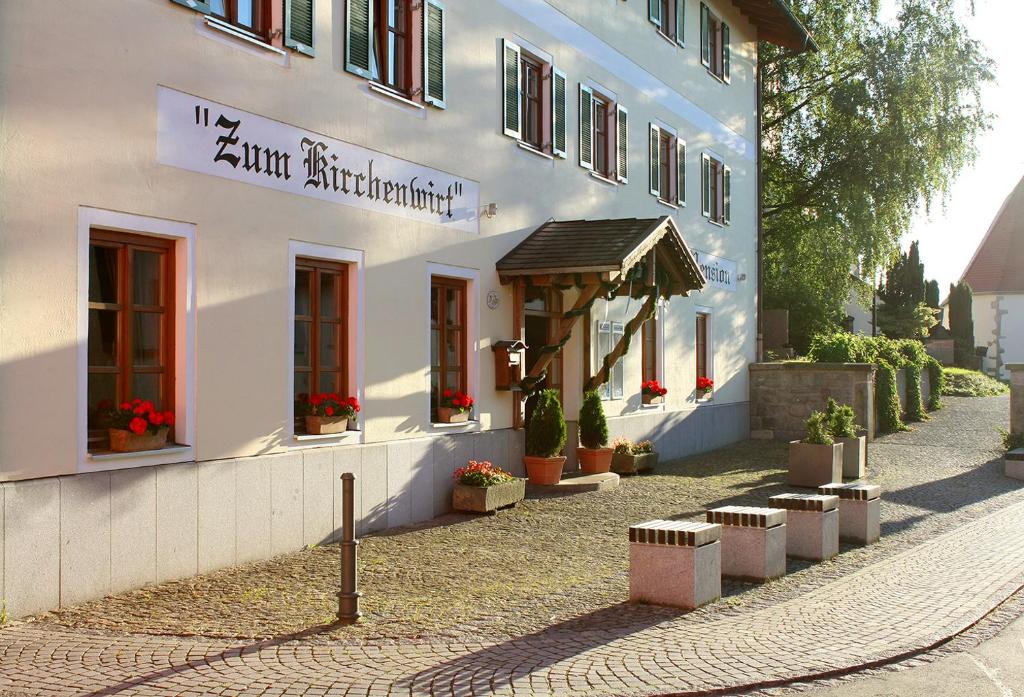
x=715 y=52
x=533 y=100
x=604 y=142
x=667 y=166
x=263 y=20
x=399 y=45
x=670 y=18
x=716 y=190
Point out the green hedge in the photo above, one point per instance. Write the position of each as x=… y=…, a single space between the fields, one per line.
x=915 y=404
x=937 y=382
x=887 y=400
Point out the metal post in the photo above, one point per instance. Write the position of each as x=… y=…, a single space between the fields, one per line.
x=348 y=597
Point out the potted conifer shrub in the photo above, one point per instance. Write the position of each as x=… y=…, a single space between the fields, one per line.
x=594 y=457
x=545 y=438
x=817 y=459
x=843 y=429
x=481 y=487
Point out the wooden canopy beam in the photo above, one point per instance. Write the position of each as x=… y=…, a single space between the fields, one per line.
x=619 y=350
x=565 y=325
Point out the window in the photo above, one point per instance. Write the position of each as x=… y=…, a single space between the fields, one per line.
x=399 y=46
x=321 y=329
x=649 y=349
x=131 y=326
x=604 y=144
x=703 y=365
x=669 y=17
x=667 y=166
x=601 y=131
x=542 y=316
x=533 y=100
x=715 y=50
x=608 y=336
x=293 y=28
x=716 y=190
x=447 y=338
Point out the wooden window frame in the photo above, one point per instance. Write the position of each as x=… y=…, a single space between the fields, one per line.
x=553 y=312
x=124 y=368
x=262 y=16
x=666 y=165
x=604 y=135
x=461 y=285
x=316 y=267
x=531 y=107
x=382 y=32
x=649 y=349
x=702 y=325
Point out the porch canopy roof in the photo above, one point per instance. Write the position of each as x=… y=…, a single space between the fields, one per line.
x=777 y=24
x=576 y=251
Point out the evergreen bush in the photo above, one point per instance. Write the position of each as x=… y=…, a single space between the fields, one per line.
x=546 y=432
x=592 y=424
x=915 y=404
x=937 y=382
x=841 y=420
x=817 y=430
x=887 y=400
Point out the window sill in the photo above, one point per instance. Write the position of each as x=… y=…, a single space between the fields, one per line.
x=653 y=407
x=529 y=148
x=717 y=77
x=457 y=425
x=317 y=438
x=109 y=456
x=667 y=203
x=602 y=178
x=716 y=222
x=391 y=94
x=237 y=33
x=667 y=38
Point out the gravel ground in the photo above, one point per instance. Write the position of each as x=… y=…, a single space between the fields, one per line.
x=552 y=560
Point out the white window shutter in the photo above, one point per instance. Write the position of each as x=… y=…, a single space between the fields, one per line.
x=681 y=22
x=621 y=144
x=727 y=195
x=655 y=159
x=434 y=87
x=654 y=12
x=604 y=336
x=680 y=171
x=705 y=37
x=558 y=112
x=617 y=381
x=726 y=52
x=705 y=186
x=510 y=90
x=586 y=127
x=359 y=37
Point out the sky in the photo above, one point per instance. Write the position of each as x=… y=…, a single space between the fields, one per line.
x=948 y=237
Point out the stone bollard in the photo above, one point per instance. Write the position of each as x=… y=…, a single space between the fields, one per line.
x=348 y=596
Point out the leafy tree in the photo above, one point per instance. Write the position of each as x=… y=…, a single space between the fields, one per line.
x=855 y=138
x=961 y=323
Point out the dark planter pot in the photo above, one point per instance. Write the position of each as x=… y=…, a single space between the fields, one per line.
x=544 y=470
x=594 y=460
x=448 y=415
x=811 y=465
x=124 y=441
x=624 y=463
x=652 y=399
x=488 y=499
x=325 y=425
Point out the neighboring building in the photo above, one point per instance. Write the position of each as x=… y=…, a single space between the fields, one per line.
x=860 y=319
x=996 y=277
x=225 y=206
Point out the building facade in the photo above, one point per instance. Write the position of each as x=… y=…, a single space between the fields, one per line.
x=225 y=208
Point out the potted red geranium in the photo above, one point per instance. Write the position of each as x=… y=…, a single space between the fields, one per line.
x=653 y=392
x=454 y=407
x=328 y=412
x=704 y=386
x=137 y=425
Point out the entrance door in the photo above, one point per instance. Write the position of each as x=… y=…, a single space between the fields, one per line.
x=543 y=314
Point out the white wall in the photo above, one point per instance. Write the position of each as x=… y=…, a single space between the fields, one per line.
x=999 y=324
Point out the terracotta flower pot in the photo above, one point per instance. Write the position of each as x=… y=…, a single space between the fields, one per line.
x=653 y=398
x=594 y=460
x=325 y=425
x=544 y=470
x=125 y=441
x=448 y=415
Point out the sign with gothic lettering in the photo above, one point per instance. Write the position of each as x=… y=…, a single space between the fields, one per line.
x=719 y=271
x=203 y=136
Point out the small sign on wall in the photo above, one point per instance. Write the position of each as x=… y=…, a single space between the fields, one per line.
x=719 y=271
x=203 y=136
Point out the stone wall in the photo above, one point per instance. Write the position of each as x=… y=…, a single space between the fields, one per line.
x=783 y=395
x=65 y=540
x=1016 y=371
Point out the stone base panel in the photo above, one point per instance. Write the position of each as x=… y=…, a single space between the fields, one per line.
x=673 y=575
x=812 y=535
x=66 y=540
x=754 y=554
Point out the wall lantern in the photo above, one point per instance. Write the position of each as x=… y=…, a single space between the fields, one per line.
x=508 y=364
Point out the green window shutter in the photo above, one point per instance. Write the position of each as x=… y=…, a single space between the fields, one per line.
x=299 y=26
x=705 y=37
x=680 y=171
x=655 y=153
x=586 y=127
x=510 y=90
x=433 y=54
x=705 y=186
x=727 y=195
x=358 y=37
x=558 y=85
x=726 y=52
x=654 y=11
x=622 y=144
x=197 y=5
x=681 y=22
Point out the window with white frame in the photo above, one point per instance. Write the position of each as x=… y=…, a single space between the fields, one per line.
x=716 y=190
x=604 y=134
x=669 y=16
x=293 y=28
x=703 y=351
x=667 y=158
x=608 y=336
x=533 y=99
x=715 y=49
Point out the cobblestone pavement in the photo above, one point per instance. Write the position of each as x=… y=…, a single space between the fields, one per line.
x=940 y=568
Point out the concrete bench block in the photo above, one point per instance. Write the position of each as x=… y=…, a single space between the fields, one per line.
x=859 y=511
x=753 y=541
x=812 y=522
x=1014 y=463
x=675 y=563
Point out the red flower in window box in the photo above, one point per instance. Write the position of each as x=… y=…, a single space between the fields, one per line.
x=328 y=412
x=705 y=386
x=455 y=407
x=137 y=425
x=652 y=392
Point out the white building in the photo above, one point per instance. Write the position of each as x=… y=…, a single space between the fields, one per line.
x=220 y=206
